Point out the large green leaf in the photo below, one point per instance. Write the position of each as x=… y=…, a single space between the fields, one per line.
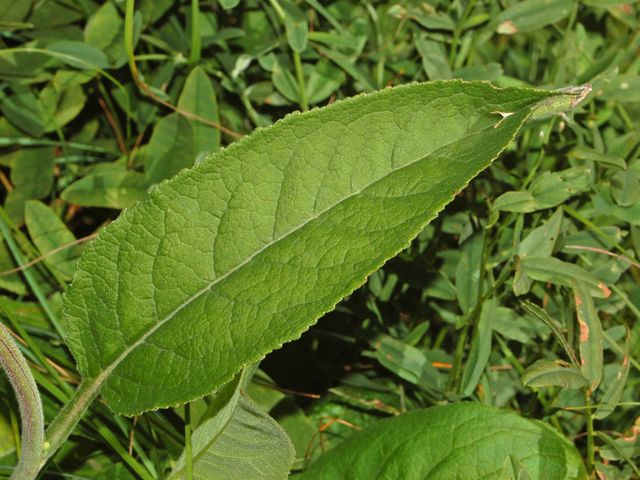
x=464 y=441
x=230 y=259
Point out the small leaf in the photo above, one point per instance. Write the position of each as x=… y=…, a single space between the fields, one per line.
x=295 y=25
x=540 y=314
x=556 y=271
x=434 y=59
x=530 y=15
x=170 y=149
x=80 y=55
x=441 y=442
x=11 y=11
x=612 y=396
x=32 y=178
x=323 y=81
x=540 y=242
x=406 y=361
x=623 y=89
x=111 y=187
x=104 y=30
x=589 y=154
x=285 y=82
x=516 y=202
x=199 y=98
x=553 y=188
x=546 y=373
x=48 y=232
x=467 y=279
x=60 y=107
x=480 y=348
x=590 y=336
x=24 y=111
x=625 y=188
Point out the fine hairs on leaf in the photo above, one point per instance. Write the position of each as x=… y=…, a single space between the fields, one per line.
x=230 y=259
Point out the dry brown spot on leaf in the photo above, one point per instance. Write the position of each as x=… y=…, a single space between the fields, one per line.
x=584 y=331
x=507 y=28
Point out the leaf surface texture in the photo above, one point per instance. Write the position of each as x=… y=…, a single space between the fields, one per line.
x=230 y=259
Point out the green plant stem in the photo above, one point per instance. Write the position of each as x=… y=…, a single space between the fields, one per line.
x=546 y=130
x=456 y=369
x=129 y=9
x=33 y=284
x=379 y=45
x=278 y=9
x=70 y=416
x=37 y=142
x=302 y=89
x=196 y=41
x=472 y=318
x=32 y=419
x=457 y=31
x=67 y=419
x=35 y=349
x=591 y=456
x=188 y=452
x=297 y=62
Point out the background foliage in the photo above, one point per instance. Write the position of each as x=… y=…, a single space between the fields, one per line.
x=87 y=129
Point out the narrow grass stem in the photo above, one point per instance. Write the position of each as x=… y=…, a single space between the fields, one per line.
x=591 y=456
x=188 y=452
x=302 y=89
x=457 y=31
x=196 y=41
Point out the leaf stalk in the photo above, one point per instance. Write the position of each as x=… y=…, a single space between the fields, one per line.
x=29 y=403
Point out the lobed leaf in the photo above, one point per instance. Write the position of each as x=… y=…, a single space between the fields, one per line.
x=230 y=259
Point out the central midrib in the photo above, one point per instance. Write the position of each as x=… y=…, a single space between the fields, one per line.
x=99 y=379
